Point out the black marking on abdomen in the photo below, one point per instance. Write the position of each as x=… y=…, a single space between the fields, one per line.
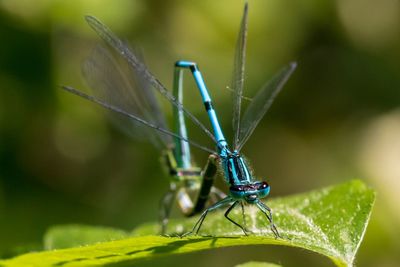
x=208 y=105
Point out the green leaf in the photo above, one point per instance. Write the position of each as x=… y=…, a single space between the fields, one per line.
x=331 y=221
x=66 y=236
x=258 y=264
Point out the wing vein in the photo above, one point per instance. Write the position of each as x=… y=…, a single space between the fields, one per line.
x=238 y=76
x=262 y=102
x=108 y=36
x=131 y=116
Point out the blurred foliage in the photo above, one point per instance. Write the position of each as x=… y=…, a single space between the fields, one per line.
x=338 y=118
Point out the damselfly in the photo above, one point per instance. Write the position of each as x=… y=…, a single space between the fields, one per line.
x=244 y=188
x=115 y=83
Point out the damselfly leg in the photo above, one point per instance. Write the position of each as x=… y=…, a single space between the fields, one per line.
x=232 y=221
x=224 y=202
x=166 y=204
x=267 y=212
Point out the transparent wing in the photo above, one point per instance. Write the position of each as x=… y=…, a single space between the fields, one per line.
x=238 y=77
x=261 y=103
x=140 y=68
x=112 y=81
x=132 y=117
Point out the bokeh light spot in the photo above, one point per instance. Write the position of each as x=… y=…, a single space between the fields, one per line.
x=380 y=157
x=370 y=23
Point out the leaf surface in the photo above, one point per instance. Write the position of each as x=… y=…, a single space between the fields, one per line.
x=330 y=221
x=258 y=264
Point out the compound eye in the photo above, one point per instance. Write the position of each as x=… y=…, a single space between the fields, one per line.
x=264 y=185
x=236 y=188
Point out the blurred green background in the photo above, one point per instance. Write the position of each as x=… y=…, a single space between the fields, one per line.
x=61 y=161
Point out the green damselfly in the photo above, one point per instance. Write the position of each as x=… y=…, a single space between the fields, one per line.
x=113 y=82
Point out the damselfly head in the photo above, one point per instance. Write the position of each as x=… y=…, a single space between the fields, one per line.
x=250 y=192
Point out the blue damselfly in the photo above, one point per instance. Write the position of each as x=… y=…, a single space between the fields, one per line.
x=243 y=186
